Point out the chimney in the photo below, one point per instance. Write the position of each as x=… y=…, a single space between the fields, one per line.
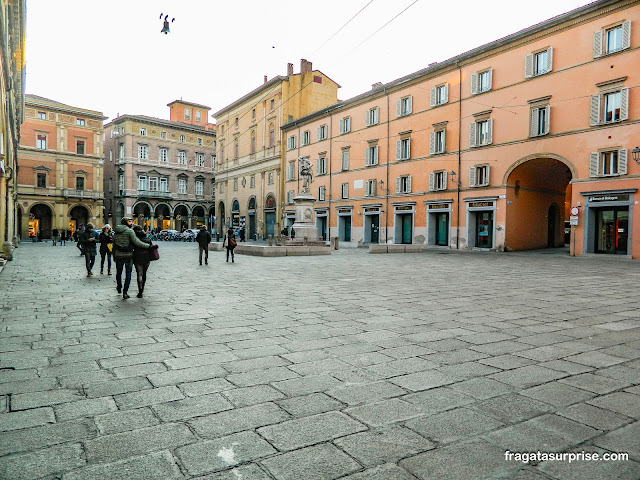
x=376 y=85
x=265 y=79
x=305 y=66
x=289 y=69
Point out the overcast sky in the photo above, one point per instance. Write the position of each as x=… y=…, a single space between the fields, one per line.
x=114 y=59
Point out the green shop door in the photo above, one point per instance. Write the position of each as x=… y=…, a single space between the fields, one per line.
x=407 y=233
x=271 y=222
x=375 y=228
x=442 y=229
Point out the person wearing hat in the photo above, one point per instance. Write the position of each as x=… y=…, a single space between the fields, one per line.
x=87 y=241
x=124 y=241
x=106 y=248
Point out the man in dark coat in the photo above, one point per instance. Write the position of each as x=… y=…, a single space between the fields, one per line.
x=124 y=241
x=54 y=235
x=87 y=240
x=204 y=239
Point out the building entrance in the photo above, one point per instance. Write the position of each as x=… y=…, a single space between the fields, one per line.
x=484 y=229
x=372 y=228
x=442 y=229
x=344 y=228
x=612 y=230
x=321 y=223
x=270 y=219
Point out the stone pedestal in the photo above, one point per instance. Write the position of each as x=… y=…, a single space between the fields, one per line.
x=305 y=225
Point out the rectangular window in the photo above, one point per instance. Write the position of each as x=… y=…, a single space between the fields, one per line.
x=198 y=116
x=153 y=184
x=42 y=115
x=322 y=132
x=345 y=125
x=237 y=122
x=164 y=184
x=321 y=193
x=610 y=163
x=273 y=104
x=163 y=135
x=272 y=137
x=253 y=142
x=41 y=180
x=345 y=159
x=404 y=106
x=305 y=138
x=370 y=187
x=373 y=115
x=182 y=138
x=80 y=122
x=143 y=131
x=143 y=152
x=199 y=141
x=403 y=184
x=80 y=147
x=321 y=166
x=479 y=176
x=252 y=181
x=121 y=183
x=187 y=114
x=403 y=149
x=290 y=197
x=253 y=114
x=437 y=142
x=270 y=178
x=111 y=155
x=213 y=188
x=540 y=120
x=291 y=142
x=199 y=187
x=164 y=154
x=481 y=133
x=221 y=188
x=291 y=171
x=142 y=182
x=199 y=159
x=79 y=183
x=438 y=181
x=613 y=39
x=481 y=82
x=41 y=142
x=235 y=184
x=440 y=95
x=182 y=185
x=540 y=63
x=609 y=107
x=182 y=157
x=121 y=151
x=345 y=190
x=371 y=155
x=612 y=107
x=236 y=149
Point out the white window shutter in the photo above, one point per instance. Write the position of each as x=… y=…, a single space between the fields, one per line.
x=319 y=137
x=446 y=181
x=594 y=114
x=622 y=161
x=472 y=134
x=408 y=184
x=398 y=149
x=593 y=164
x=472 y=177
x=490 y=79
x=409 y=105
x=490 y=131
x=446 y=94
x=398 y=180
x=408 y=148
x=345 y=160
x=547 y=119
x=487 y=176
x=367 y=156
x=399 y=108
x=368 y=118
x=348 y=124
x=432 y=143
x=433 y=97
x=534 y=122
x=374 y=186
x=474 y=84
x=374 y=157
x=342 y=125
x=626 y=34
x=549 y=59
x=318 y=160
x=367 y=188
x=528 y=66
x=432 y=181
x=597 y=44
x=624 y=104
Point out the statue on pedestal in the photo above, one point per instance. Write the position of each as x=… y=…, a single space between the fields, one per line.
x=306 y=173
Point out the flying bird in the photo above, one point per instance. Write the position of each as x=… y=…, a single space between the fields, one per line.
x=165 y=27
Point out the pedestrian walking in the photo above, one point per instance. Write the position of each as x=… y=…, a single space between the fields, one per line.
x=63 y=237
x=54 y=235
x=204 y=239
x=87 y=241
x=76 y=237
x=141 y=259
x=106 y=248
x=124 y=241
x=230 y=243
x=241 y=233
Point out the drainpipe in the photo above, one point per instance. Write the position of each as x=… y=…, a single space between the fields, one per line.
x=459 y=155
x=330 y=175
x=386 y=208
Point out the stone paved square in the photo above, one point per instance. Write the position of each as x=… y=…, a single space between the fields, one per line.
x=353 y=366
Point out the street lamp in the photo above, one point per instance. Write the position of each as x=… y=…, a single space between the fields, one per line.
x=452 y=175
x=636 y=155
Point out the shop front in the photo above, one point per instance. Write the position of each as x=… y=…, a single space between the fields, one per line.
x=481 y=232
x=608 y=222
x=371 y=223
x=403 y=223
x=438 y=222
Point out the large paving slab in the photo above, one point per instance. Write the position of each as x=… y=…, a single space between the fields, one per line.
x=220 y=372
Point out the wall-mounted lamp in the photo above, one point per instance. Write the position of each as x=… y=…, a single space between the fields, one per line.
x=636 y=155
x=452 y=175
x=382 y=185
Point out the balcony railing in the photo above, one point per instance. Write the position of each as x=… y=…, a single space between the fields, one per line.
x=154 y=194
x=72 y=192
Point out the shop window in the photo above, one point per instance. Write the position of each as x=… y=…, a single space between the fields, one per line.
x=404 y=106
x=403 y=184
x=403 y=149
x=481 y=82
x=439 y=95
x=611 y=40
x=373 y=115
x=345 y=125
x=538 y=63
x=371 y=155
x=438 y=181
x=479 y=176
x=608 y=163
x=437 y=142
x=481 y=133
x=370 y=188
x=540 y=121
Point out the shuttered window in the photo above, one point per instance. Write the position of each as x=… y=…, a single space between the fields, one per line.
x=321 y=193
x=481 y=133
x=321 y=166
x=439 y=95
x=371 y=156
x=291 y=142
x=370 y=188
x=609 y=107
x=403 y=149
x=404 y=106
x=540 y=121
x=305 y=138
x=438 y=181
x=479 y=176
x=322 y=132
x=345 y=160
x=403 y=184
x=538 y=63
x=437 y=142
x=345 y=125
x=372 y=116
x=345 y=190
x=291 y=171
x=481 y=82
x=608 y=164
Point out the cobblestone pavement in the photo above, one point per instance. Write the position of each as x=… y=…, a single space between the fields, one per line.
x=355 y=366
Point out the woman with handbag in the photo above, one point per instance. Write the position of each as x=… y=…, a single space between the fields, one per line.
x=230 y=243
x=106 y=248
x=141 y=258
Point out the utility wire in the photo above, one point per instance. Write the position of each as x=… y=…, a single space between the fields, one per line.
x=342 y=27
x=407 y=8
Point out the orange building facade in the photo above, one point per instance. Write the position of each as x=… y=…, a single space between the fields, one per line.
x=61 y=163
x=490 y=149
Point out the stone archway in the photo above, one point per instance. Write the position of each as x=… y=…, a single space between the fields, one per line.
x=40 y=220
x=78 y=217
x=181 y=217
x=142 y=213
x=534 y=185
x=162 y=214
x=198 y=216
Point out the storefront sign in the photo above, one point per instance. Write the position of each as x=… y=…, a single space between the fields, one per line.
x=366 y=210
x=439 y=207
x=609 y=198
x=408 y=207
x=348 y=210
x=480 y=204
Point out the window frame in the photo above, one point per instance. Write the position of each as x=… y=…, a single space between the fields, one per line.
x=40 y=175
x=372 y=116
x=182 y=182
x=182 y=157
x=143 y=131
x=200 y=187
x=344 y=191
x=142 y=182
x=143 y=151
x=479 y=171
x=43 y=140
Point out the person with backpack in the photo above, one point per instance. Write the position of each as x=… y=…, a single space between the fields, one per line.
x=230 y=243
x=124 y=241
x=204 y=239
